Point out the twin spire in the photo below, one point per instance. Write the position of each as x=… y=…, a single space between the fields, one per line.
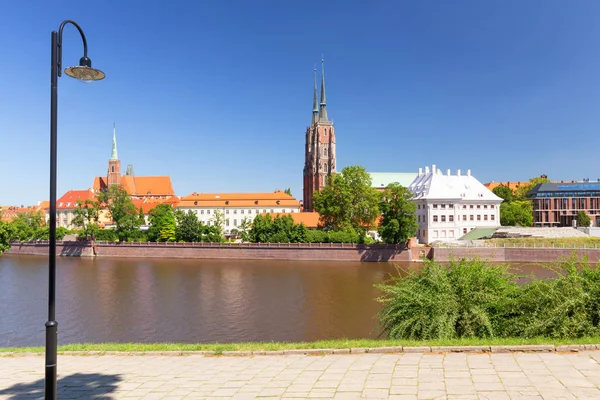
x=321 y=109
x=114 y=155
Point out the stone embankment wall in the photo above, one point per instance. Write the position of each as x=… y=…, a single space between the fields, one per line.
x=299 y=251
x=275 y=251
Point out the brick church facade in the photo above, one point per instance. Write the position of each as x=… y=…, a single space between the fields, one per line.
x=319 y=159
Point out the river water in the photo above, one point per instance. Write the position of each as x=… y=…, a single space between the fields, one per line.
x=192 y=301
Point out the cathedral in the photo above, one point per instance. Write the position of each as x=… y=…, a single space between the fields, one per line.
x=319 y=152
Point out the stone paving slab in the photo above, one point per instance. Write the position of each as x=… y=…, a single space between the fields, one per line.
x=540 y=375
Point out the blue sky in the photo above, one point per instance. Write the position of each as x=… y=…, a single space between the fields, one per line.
x=218 y=94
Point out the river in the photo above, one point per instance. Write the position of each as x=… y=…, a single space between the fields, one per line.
x=192 y=301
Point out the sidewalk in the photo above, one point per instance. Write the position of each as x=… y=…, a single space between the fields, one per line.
x=352 y=376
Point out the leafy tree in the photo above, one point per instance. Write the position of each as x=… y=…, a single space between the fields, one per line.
x=189 y=228
x=162 y=224
x=142 y=217
x=583 y=219
x=348 y=201
x=7 y=234
x=44 y=233
x=282 y=229
x=106 y=235
x=262 y=228
x=123 y=212
x=27 y=225
x=288 y=191
x=399 y=222
x=521 y=191
x=86 y=214
x=516 y=213
x=245 y=226
x=218 y=220
x=504 y=192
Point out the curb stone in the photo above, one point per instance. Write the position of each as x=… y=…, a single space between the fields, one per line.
x=460 y=349
x=384 y=350
x=539 y=348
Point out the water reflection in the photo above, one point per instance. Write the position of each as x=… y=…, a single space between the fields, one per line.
x=140 y=300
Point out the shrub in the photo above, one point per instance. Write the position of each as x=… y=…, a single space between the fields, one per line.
x=106 y=235
x=468 y=298
x=566 y=306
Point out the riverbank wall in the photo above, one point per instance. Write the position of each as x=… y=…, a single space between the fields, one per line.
x=299 y=251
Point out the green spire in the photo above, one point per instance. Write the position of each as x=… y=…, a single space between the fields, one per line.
x=315 y=102
x=323 y=108
x=114 y=155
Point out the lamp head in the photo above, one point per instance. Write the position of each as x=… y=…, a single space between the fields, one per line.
x=84 y=71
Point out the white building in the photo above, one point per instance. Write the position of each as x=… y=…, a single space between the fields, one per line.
x=450 y=206
x=235 y=207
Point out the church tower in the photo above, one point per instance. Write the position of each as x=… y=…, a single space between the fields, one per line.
x=114 y=165
x=319 y=151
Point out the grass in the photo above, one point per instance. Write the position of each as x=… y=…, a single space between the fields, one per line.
x=323 y=344
x=579 y=243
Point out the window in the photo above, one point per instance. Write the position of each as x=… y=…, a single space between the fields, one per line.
x=471 y=206
x=471 y=218
x=443 y=206
x=201 y=211
x=418 y=218
x=464 y=217
x=235 y=211
x=325 y=130
x=68 y=204
x=208 y=212
x=464 y=206
x=283 y=210
x=479 y=218
x=478 y=206
x=443 y=218
x=491 y=206
x=451 y=218
x=242 y=211
x=292 y=210
x=272 y=210
x=464 y=231
x=60 y=204
x=435 y=206
x=227 y=212
x=435 y=234
x=265 y=211
x=485 y=217
x=235 y=222
x=435 y=218
x=227 y=222
x=493 y=217
x=325 y=151
x=419 y=206
x=485 y=206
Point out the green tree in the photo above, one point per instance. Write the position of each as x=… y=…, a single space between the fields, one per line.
x=86 y=214
x=123 y=212
x=504 y=192
x=262 y=228
x=141 y=216
x=583 y=219
x=218 y=220
x=348 y=201
x=245 y=226
x=27 y=226
x=162 y=224
x=189 y=228
x=7 y=234
x=399 y=221
x=288 y=191
x=516 y=213
x=521 y=192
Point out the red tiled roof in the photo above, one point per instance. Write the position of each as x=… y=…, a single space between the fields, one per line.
x=271 y=199
x=140 y=185
x=68 y=200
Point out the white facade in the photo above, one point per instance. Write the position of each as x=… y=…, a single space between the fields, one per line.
x=450 y=206
x=235 y=207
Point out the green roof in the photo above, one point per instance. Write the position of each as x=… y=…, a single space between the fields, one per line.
x=382 y=179
x=479 y=233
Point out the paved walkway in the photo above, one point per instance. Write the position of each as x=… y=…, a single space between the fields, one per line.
x=359 y=376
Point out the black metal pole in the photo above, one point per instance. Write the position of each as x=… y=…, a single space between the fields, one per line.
x=51 y=324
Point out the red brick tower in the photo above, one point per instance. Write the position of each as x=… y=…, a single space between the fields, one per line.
x=319 y=160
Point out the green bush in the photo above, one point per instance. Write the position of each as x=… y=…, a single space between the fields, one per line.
x=106 y=235
x=468 y=298
x=475 y=299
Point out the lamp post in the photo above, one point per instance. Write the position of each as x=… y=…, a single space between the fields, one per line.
x=85 y=73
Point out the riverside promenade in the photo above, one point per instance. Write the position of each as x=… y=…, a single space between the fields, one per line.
x=492 y=376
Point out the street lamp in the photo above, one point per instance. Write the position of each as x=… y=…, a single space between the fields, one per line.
x=85 y=73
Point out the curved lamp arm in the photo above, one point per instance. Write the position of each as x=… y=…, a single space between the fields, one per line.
x=84 y=61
